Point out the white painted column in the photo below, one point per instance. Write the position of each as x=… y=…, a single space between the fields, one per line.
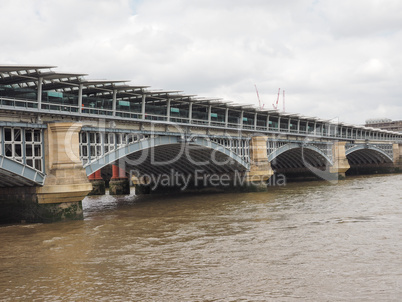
x=80 y=98
x=39 y=96
x=143 y=106
x=255 y=121
x=268 y=122
x=226 y=117
x=114 y=102
x=190 y=112
x=168 y=110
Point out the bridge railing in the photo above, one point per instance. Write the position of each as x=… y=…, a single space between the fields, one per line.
x=59 y=107
x=217 y=124
x=199 y=122
x=10 y=102
x=155 y=117
x=321 y=130
x=181 y=120
x=97 y=111
x=127 y=114
x=260 y=128
x=233 y=126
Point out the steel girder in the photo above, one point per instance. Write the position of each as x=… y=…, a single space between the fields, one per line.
x=16 y=174
x=163 y=154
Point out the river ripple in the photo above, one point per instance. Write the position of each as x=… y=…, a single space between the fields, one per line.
x=310 y=241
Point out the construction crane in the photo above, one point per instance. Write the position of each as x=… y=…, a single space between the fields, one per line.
x=275 y=105
x=258 y=96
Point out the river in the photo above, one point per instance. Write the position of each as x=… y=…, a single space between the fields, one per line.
x=306 y=241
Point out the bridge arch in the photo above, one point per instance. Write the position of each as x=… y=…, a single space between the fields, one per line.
x=164 y=154
x=298 y=156
x=367 y=154
x=16 y=174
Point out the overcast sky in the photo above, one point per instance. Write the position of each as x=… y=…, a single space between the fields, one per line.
x=337 y=59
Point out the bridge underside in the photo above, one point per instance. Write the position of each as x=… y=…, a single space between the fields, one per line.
x=367 y=157
x=9 y=179
x=15 y=174
x=368 y=161
x=298 y=160
x=187 y=160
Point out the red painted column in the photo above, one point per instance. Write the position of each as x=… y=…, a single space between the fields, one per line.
x=119 y=184
x=98 y=175
x=115 y=172
x=98 y=184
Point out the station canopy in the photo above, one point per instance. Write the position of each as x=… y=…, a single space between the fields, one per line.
x=17 y=79
x=29 y=76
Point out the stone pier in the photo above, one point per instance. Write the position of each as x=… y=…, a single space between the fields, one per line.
x=65 y=186
x=397 y=152
x=340 y=162
x=260 y=167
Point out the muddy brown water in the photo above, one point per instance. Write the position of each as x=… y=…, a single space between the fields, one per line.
x=307 y=241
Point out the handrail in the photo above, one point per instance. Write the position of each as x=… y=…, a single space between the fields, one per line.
x=32 y=105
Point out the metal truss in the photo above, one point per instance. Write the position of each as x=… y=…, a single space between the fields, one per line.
x=369 y=153
x=21 y=155
x=278 y=146
x=98 y=149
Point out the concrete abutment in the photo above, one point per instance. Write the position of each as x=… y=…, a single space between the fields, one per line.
x=21 y=204
x=260 y=168
x=397 y=152
x=340 y=161
x=65 y=186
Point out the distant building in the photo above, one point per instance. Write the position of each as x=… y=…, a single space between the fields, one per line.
x=385 y=124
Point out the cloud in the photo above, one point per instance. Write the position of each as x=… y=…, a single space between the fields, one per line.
x=333 y=58
x=374 y=70
x=359 y=19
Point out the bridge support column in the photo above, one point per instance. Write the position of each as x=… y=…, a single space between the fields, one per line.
x=65 y=186
x=260 y=167
x=66 y=182
x=400 y=155
x=397 y=155
x=341 y=163
x=98 y=184
x=119 y=183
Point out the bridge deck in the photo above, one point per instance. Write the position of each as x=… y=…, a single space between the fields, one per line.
x=40 y=90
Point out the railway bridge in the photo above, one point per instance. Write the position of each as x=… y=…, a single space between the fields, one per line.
x=62 y=136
